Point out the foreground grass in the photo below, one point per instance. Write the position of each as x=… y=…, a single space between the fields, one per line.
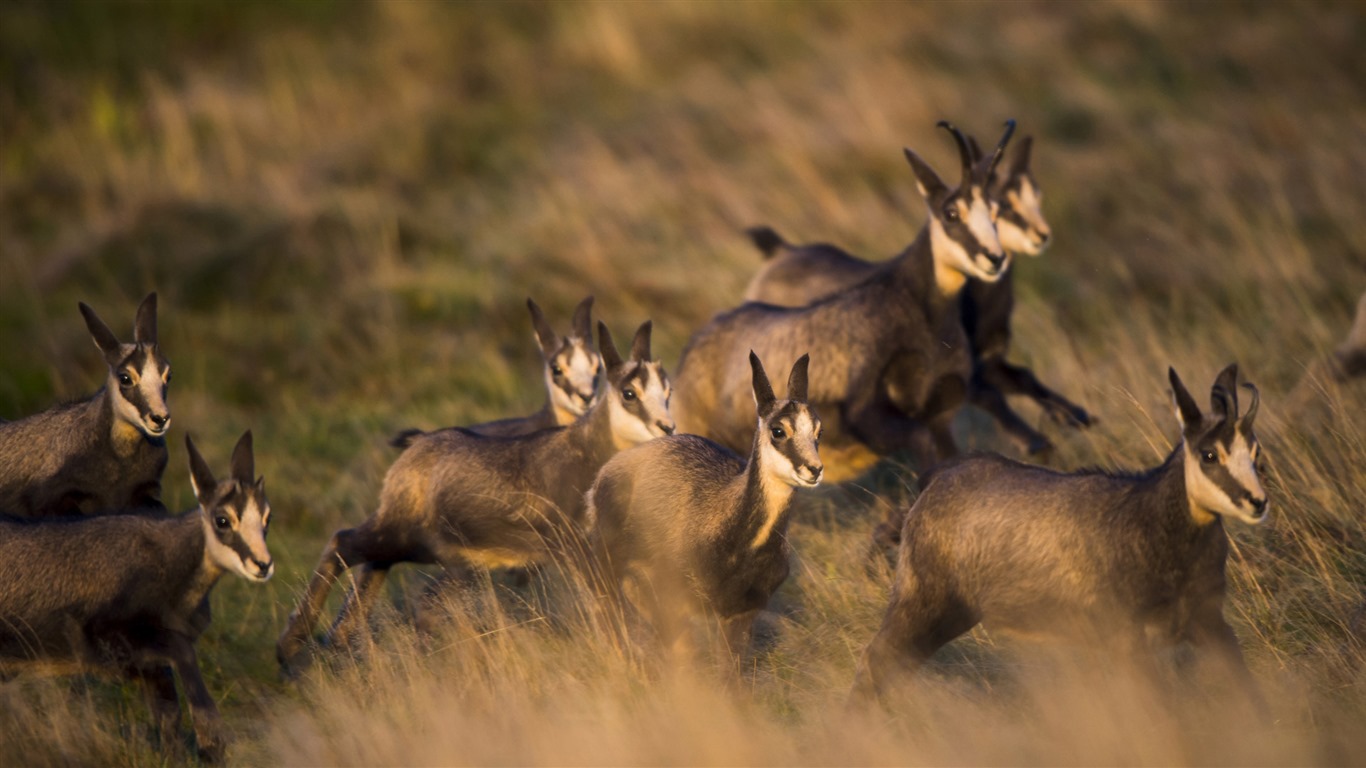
x=343 y=210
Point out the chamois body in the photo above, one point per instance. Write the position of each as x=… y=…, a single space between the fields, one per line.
x=1131 y=559
x=129 y=592
x=462 y=499
x=103 y=453
x=699 y=531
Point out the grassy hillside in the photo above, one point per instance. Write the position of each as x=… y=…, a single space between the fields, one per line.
x=343 y=207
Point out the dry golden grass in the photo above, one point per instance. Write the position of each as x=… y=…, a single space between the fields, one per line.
x=343 y=208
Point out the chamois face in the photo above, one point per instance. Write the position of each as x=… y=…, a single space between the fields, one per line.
x=638 y=390
x=572 y=366
x=789 y=432
x=138 y=373
x=1222 y=457
x=1020 y=223
x=235 y=512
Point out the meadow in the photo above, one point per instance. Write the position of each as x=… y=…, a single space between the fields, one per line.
x=343 y=207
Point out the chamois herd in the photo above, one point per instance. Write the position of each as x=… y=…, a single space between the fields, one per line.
x=677 y=506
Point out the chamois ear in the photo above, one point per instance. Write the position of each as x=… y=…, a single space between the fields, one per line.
x=976 y=150
x=640 y=345
x=1245 y=423
x=796 y=381
x=610 y=357
x=545 y=335
x=201 y=477
x=763 y=391
x=1186 y=409
x=145 y=326
x=1019 y=161
x=243 y=460
x=931 y=188
x=1223 y=396
x=104 y=338
x=583 y=320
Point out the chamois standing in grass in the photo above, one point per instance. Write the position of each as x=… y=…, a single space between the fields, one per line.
x=1127 y=559
x=699 y=531
x=571 y=376
x=890 y=360
x=796 y=275
x=461 y=499
x=129 y=592
x=105 y=452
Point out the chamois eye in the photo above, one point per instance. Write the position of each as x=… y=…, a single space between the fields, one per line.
x=951 y=212
x=125 y=380
x=1209 y=457
x=556 y=370
x=222 y=523
x=628 y=394
x=778 y=433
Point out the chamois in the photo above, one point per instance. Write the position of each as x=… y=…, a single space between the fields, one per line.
x=105 y=452
x=891 y=362
x=701 y=531
x=460 y=499
x=1349 y=358
x=1130 y=558
x=571 y=375
x=796 y=275
x=129 y=592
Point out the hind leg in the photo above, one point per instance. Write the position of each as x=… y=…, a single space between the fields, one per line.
x=353 y=618
x=158 y=687
x=918 y=622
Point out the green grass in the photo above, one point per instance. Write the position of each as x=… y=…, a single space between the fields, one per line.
x=344 y=206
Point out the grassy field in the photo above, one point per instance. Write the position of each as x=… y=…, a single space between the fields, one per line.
x=343 y=207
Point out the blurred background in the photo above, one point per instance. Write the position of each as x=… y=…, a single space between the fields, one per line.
x=344 y=205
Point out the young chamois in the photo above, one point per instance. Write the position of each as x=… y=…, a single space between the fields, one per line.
x=105 y=452
x=796 y=275
x=890 y=359
x=129 y=592
x=1130 y=560
x=571 y=375
x=461 y=499
x=700 y=531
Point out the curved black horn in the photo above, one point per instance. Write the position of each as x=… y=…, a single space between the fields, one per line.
x=1252 y=408
x=1000 y=149
x=964 y=151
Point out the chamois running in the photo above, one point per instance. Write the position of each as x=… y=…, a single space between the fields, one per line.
x=890 y=359
x=699 y=531
x=1130 y=560
x=102 y=453
x=461 y=499
x=129 y=592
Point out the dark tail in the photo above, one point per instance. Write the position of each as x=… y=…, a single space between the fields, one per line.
x=766 y=240
x=405 y=438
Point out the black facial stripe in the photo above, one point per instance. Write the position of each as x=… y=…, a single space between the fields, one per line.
x=639 y=380
x=1013 y=216
x=1223 y=479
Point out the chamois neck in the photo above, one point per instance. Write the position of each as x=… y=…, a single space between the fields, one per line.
x=124 y=438
x=765 y=500
x=560 y=416
x=1178 y=511
x=594 y=430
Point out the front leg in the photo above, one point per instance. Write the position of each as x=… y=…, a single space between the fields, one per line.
x=871 y=417
x=1018 y=380
x=1217 y=647
x=158 y=687
x=989 y=398
x=208 y=726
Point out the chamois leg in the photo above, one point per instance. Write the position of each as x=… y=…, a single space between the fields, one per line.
x=158 y=687
x=1018 y=380
x=737 y=632
x=918 y=622
x=988 y=398
x=347 y=548
x=203 y=710
x=1217 y=647
x=353 y=619
x=428 y=615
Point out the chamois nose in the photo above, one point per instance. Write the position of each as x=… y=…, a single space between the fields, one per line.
x=997 y=260
x=264 y=570
x=1258 y=508
x=667 y=427
x=159 y=419
x=1044 y=238
x=587 y=399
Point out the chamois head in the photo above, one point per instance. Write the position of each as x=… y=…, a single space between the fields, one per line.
x=1017 y=202
x=571 y=364
x=962 y=231
x=1222 y=456
x=789 y=433
x=638 y=389
x=138 y=372
x=236 y=513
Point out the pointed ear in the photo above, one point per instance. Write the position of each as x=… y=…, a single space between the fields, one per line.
x=931 y=188
x=200 y=475
x=1019 y=162
x=796 y=381
x=1186 y=409
x=583 y=320
x=104 y=338
x=763 y=391
x=640 y=345
x=243 y=461
x=545 y=335
x=1223 y=396
x=145 y=326
x=1245 y=423
x=610 y=357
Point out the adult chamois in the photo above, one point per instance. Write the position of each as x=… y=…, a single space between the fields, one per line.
x=699 y=532
x=128 y=593
x=105 y=452
x=461 y=499
x=796 y=275
x=890 y=361
x=1128 y=560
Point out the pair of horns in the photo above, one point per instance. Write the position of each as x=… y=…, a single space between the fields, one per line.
x=982 y=169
